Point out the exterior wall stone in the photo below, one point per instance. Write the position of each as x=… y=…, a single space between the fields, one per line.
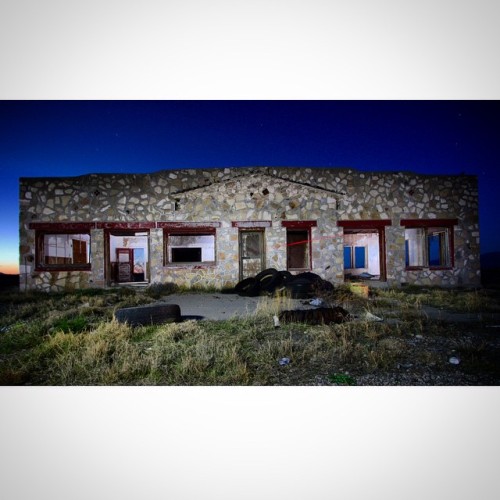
x=97 y=278
x=268 y=194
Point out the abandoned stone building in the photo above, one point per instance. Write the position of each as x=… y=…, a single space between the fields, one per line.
x=215 y=227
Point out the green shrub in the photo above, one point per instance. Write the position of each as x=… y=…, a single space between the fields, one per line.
x=76 y=325
x=342 y=379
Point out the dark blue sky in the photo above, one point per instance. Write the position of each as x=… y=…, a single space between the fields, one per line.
x=63 y=138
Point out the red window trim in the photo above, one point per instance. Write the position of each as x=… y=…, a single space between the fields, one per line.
x=364 y=224
x=39 y=246
x=299 y=224
x=190 y=226
x=144 y=225
x=426 y=223
x=62 y=227
x=412 y=223
x=138 y=226
x=251 y=224
x=185 y=228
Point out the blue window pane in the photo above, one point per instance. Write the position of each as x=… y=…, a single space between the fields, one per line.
x=347 y=258
x=434 y=250
x=359 y=257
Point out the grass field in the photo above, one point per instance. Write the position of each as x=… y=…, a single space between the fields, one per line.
x=72 y=339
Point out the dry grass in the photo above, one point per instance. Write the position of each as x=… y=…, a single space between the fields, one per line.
x=458 y=300
x=72 y=339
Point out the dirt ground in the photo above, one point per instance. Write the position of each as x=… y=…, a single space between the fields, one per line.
x=220 y=306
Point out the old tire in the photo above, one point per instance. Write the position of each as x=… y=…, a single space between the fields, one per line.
x=320 y=316
x=249 y=287
x=268 y=279
x=311 y=277
x=286 y=277
x=300 y=288
x=154 y=314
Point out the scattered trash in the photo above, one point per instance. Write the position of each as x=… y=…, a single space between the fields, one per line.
x=454 y=360
x=366 y=276
x=368 y=316
x=316 y=302
x=284 y=361
x=419 y=336
x=405 y=365
x=276 y=321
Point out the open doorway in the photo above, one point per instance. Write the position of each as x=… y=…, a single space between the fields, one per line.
x=251 y=251
x=361 y=255
x=364 y=250
x=128 y=257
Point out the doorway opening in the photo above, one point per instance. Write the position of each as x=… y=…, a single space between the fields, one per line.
x=364 y=250
x=251 y=251
x=128 y=257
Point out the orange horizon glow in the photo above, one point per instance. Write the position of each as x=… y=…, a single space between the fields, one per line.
x=9 y=268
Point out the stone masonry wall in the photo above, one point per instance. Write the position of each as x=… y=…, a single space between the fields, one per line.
x=253 y=194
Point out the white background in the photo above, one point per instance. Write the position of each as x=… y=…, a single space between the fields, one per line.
x=249 y=443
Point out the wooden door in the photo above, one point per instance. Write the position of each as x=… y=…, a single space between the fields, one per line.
x=124 y=257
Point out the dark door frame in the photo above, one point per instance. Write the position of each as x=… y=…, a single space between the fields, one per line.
x=370 y=225
x=261 y=232
x=122 y=229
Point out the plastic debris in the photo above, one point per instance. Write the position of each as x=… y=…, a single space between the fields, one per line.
x=316 y=302
x=454 y=360
x=284 y=361
x=405 y=365
x=368 y=316
x=276 y=321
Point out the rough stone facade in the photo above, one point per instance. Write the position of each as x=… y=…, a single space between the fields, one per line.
x=331 y=201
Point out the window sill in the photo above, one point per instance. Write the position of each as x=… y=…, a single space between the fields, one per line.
x=190 y=265
x=422 y=268
x=52 y=269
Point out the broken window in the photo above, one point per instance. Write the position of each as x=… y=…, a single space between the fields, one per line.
x=298 y=249
x=414 y=246
x=190 y=248
x=63 y=251
x=429 y=246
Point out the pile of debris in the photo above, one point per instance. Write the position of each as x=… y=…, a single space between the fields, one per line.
x=318 y=316
x=271 y=281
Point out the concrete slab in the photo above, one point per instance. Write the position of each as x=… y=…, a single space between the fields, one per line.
x=219 y=306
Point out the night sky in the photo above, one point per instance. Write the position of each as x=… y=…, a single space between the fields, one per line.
x=66 y=138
